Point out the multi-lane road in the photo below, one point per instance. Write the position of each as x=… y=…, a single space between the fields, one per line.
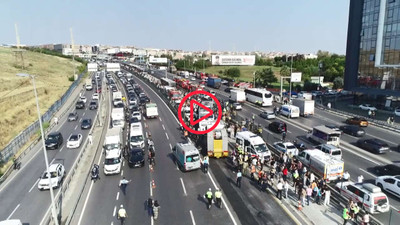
x=19 y=196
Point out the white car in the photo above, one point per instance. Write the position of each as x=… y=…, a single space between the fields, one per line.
x=286 y=147
x=367 y=107
x=267 y=115
x=137 y=115
x=397 y=112
x=95 y=96
x=389 y=184
x=83 y=99
x=212 y=92
x=74 y=141
x=57 y=173
x=237 y=106
x=192 y=78
x=202 y=86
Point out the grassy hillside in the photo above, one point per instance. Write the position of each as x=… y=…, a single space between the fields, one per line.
x=246 y=72
x=17 y=101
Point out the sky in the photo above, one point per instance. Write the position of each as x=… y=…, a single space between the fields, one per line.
x=303 y=26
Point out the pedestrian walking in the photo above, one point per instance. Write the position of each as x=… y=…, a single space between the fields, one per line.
x=283 y=135
x=360 y=179
x=90 y=137
x=218 y=198
x=318 y=195
x=286 y=188
x=156 y=209
x=123 y=184
x=279 y=188
x=369 y=113
x=122 y=215
x=329 y=105
x=389 y=120
x=239 y=179
x=303 y=195
x=209 y=197
x=327 y=198
x=346 y=176
x=308 y=194
x=346 y=215
x=150 y=206
x=392 y=120
x=55 y=120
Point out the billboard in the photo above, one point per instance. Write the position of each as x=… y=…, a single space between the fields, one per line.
x=233 y=60
x=152 y=59
x=112 y=67
x=92 y=67
x=295 y=77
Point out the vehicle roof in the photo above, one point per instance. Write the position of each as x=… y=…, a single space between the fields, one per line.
x=54 y=133
x=325 y=129
x=114 y=131
x=136 y=150
x=259 y=90
x=317 y=154
x=187 y=147
x=53 y=167
x=251 y=137
x=115 y=153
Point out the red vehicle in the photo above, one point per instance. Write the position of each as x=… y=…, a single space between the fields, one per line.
x=175 y=95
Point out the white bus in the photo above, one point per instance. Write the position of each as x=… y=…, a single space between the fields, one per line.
x=259 y=96
x=168 y=82
x=325 y=135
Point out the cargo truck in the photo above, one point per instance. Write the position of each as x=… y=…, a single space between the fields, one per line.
x=214 y=82
x=151 y=110
x=306 y=106
x=113 y=140
x=322 y=164
x=237 y=95
x=117 y=98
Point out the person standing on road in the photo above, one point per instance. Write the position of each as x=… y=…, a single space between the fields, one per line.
x=279 y=188
x=346 y=216
x=309 y=193
x=55 y=120
x=218 y=196
x=122 y=215
x=283 y=135
x=123 y=183
x=205 y=164
x=286 y=188
x=156 y=209
x=150 y=206
x=239 y=179
x=360 y=179
x=369 y=113
x=209 y=197
x=327 y=198
x=90 y=137
x=346 y=176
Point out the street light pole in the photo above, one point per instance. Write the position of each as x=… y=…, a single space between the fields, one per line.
x=290 y=83
x=254 y=78
x=53 y=206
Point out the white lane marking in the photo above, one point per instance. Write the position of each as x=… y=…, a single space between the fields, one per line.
x=223 y=201
x=170 y=146
x=123 y=163
x=76 y=127
x=112 y=223
x=289 y=131
x=191 y=215
x=83 y=114
x=114 y=211
x=183 y=186
x=61 y=148
x=33 y=186
x=167 y=136
x=147 y=135
x=151 y=190
x=117 y=196
x=80 y=120
x=160 y=119
x=52 y=161
x=374 y=176
x=13 y=212
x=163 y=127
x=144 y=118
x=122 y=173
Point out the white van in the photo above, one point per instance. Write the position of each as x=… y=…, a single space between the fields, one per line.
x=290 y=111
x=187 y=156
x=11 y=222
x=136 y=137
x=367 y=194
x=113 y=162
x=254 y=144
x=330 y=150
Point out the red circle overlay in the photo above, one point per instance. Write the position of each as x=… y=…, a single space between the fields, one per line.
x=198 y=93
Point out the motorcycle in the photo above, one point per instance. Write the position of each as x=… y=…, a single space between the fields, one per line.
x=95 y=173
x=17 y=165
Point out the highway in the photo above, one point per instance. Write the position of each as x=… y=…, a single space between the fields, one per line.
x=357 y=161
x=20 y=193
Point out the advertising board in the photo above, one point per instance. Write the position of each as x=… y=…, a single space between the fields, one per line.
x=113 y=67
x=152 y=59
x=92 y=67
x=233 y=60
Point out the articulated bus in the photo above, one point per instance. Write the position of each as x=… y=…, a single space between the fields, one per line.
x=168 y=82
x=259 y=96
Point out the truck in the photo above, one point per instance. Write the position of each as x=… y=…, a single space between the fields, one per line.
x=322 y=164
x=88 y=85
x=117 y=98
x=253 y=144
x=217 y=141
x=151 y=110
x=117 y=117
x=214 y=82
x=237 y=95
x=306 y=106
x=113 y=140
x=175 y=95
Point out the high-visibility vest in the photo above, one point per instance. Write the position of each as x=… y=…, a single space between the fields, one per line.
x=218 y=194
x=122 y=213
x=209 y=194
x=345 y=214
x=356 y=209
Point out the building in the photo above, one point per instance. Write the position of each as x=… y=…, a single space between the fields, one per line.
x=373 y=47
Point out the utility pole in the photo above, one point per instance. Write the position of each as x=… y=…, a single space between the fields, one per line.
x=72 y=50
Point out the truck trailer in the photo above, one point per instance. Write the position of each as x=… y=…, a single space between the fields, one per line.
x=306 y=106
x=214 y=82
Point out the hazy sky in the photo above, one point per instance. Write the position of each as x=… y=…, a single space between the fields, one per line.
x=303 y=26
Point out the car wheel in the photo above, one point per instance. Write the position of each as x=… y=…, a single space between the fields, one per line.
x=380 y=185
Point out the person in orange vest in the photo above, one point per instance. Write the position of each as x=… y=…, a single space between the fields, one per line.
x=252 y=172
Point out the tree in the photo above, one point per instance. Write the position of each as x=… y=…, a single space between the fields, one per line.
x=265 y=77
x=232 y=72
x=338 y=83
x=285 y=71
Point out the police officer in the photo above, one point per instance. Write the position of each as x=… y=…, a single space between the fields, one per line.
x=218 y=196
x=209 y=196
x=122 y=214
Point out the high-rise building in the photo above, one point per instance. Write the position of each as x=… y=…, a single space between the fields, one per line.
x=373 y=47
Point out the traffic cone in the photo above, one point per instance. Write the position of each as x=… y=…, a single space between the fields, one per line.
x=300 y=206
x=151 y=168
x=153 y=184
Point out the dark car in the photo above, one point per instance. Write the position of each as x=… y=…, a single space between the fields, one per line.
x=352 y=130
x=134 y=120
x=136 y=158
x=333 y=127
x=390 y=169
x=135 y=108
x=86 y=124
x=228 y=90
x=54 y=140
x=357 y=121
x=277 y=126
x=73 y=116
x=373 y=145
x=114 y=89
x=80 y=105
x=143 y=100
x=119 y=105
x=93 y=105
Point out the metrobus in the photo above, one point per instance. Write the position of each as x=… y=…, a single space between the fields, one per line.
x=168 y=82
x=259 y=96
x=325 y=135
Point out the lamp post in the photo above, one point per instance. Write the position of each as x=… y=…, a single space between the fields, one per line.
x=320 y=66
x=53 y=206
x=254 y=79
